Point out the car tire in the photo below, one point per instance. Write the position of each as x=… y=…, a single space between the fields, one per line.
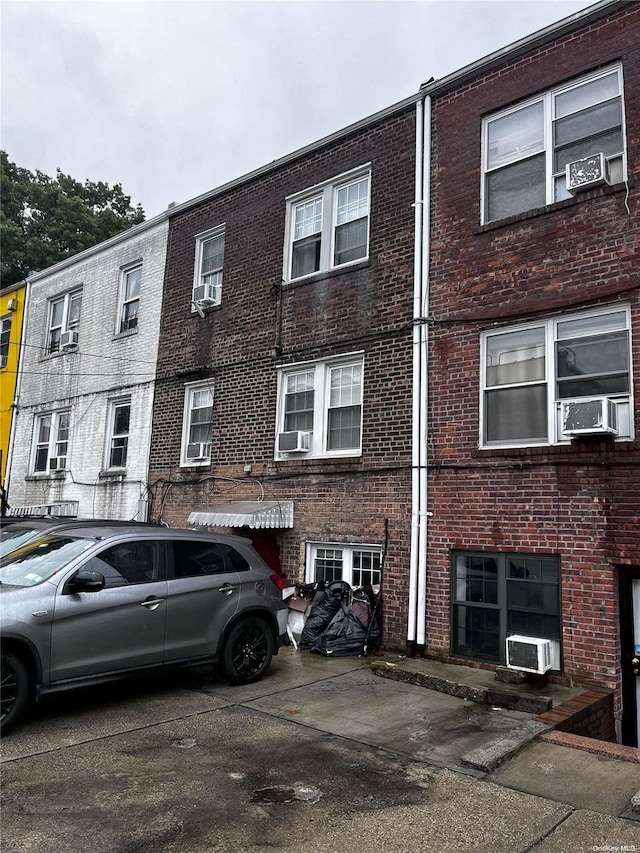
x=14 y=690
x=247 y=651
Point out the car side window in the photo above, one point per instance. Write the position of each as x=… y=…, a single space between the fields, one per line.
x=235 y=558
x=127 y=563
x=195 y=559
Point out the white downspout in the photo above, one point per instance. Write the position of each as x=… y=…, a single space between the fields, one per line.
x=415 y=400
x=424 y=380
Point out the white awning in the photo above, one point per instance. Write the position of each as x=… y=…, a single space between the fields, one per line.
x=255 y=514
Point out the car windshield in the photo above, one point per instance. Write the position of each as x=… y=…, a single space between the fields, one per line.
x=40 y=560
x=14 y=536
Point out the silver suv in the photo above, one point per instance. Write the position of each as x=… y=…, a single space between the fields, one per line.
x=88 y=604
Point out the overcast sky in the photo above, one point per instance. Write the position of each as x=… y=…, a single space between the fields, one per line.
x=172 y=99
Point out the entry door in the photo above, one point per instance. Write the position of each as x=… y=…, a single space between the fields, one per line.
x=630 y=643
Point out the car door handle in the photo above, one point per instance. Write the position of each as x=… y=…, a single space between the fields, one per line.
x=226 y=589
x=151 y=603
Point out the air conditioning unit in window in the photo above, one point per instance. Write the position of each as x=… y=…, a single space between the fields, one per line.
x=3 y=362
x=294 y=442
x=68 y=339
x=597 y=416
x=207 y=294
x=58 y=463
x=529 y=654
x=198 y=450
x=587 y=173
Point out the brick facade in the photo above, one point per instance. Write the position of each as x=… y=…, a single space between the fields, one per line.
x=579 y=500
x=264 y=323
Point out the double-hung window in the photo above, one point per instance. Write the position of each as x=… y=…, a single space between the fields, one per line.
x=358 y=565
x=118 y=444
x=51 y=442
x=529 y=371
x=209 y=263
x=526 y=148
x=197 y=422
x=497 y=595
x=320 y=408
x=130 y=302
x=64 y=320
x=328 y=226
x=5 y=337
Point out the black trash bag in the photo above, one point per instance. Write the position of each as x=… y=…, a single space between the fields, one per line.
x=321 y=615
x=346 y=635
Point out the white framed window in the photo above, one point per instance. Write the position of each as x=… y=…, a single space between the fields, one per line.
x=196 y=424
x=64 y=317
x=357 y=565
x=209 y=264
x=130 y=298
x=5 y=338
x=528 y=372
x=320 y=408
x=118 y=433
x=328 y=226
x=51 y=442
x=526 y=148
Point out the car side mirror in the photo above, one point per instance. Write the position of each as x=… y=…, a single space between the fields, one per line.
x=85 y=581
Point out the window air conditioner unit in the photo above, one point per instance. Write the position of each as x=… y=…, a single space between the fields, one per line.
x=529 y=654
x=598 y=416
x=587 y=173
x=58 y=463
x=198 y=450
x=3 y=362
x=294 y=442
x=207 y=294
x=68 y=339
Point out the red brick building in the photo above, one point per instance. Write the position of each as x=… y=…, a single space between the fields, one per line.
x=533 y=341
x=283 y=406
x=407 y=351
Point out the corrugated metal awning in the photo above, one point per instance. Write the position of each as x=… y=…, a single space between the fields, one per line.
x=254 y=514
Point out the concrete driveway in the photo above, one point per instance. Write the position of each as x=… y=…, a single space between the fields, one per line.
x=319 y=756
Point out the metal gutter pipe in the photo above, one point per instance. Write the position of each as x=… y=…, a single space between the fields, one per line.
x=424 y=380
x=415 y=397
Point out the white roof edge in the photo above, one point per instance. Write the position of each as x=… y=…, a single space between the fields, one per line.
x=99 y=247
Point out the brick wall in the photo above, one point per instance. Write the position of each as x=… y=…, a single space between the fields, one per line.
x=580 y=500
x=263 y=324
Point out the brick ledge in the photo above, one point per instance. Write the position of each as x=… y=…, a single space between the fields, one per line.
x=597 y=747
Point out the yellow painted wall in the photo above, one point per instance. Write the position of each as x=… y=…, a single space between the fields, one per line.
x=12 y=301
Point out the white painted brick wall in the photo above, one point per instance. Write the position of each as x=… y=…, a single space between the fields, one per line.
x=105 y=366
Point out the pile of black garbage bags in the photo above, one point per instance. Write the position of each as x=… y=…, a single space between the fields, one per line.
x=342 y=621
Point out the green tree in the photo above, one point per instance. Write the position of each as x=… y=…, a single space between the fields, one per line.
x=44 y=220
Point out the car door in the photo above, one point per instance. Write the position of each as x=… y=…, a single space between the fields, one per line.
x=119 y=627
x=203 y=595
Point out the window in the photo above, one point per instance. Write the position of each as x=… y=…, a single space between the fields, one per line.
x=358 y=565
x=320 y=408
x=5 y=336
x=51 y=442
x=196 y=559
x=64 y=316
x=526 y=148
x=528 y=371
x=130 y=299
x=329 y=226
x=207 y=282
x=198 y=418
x=129 y=563
x=496 y=595
x=119 y=417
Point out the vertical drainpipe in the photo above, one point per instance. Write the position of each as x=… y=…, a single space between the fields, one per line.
x=415 y=402
x=424 y=381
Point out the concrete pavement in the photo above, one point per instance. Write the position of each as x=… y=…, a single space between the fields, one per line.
x=321 y=755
